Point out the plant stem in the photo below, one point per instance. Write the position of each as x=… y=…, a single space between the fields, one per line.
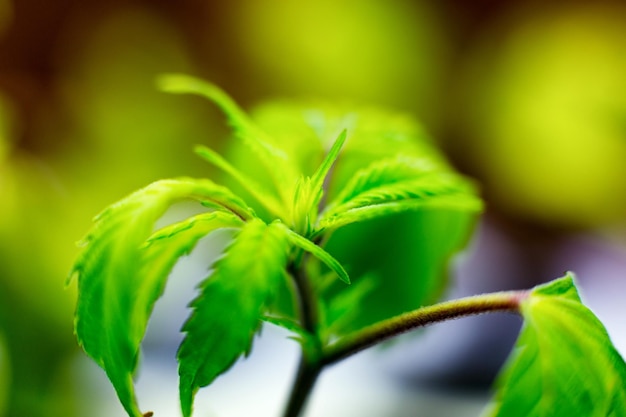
x=508 y=301
x=309 y=315
x=315 y=357
x=310 y=364
x=305 y=379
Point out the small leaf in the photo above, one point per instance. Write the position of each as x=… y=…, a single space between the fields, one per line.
x=302 y=213
x=115 y=292
x=287 y=324
x=564 y=363
x=453 y=201
x=255 y=189
x=316 y=251
x=421 y=187
x=319 y=176
x=163 y=249
x=383 y=173
x=273 y=158
x=227 y=313
x=394 y=185
x=309 y=190
x=341 y=311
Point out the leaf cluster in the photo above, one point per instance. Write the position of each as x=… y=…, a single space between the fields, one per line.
x=124 y=264
x=313 y=192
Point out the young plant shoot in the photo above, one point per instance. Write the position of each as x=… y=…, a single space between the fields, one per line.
x=342 y=223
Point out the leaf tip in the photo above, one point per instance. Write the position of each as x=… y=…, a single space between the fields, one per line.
x=174 y=82
x=343 y=275
x=200 y=150
x=70 y=277
x=342 y=137
x=564 y=286
x=186 y=397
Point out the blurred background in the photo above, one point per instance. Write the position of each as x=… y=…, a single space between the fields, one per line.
x=527 y=97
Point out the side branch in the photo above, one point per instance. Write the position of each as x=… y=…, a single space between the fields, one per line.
x=508 y=301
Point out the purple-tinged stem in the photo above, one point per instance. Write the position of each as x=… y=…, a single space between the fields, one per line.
x=508 y=301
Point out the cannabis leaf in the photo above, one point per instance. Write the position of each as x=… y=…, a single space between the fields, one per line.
x=316 y=251
x=309 y=190
x=564 y=363
x=304 y=191
x=385 y=212
x=273 y=158
x=397 y=185
x=228 y=311
x=121 y=272
x=257 y=190
x=366 y=212
x=385 y=172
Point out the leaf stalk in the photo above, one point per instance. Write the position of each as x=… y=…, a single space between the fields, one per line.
x=506 y=301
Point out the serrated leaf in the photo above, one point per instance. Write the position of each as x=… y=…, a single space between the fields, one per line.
x=188 y=231
x=384 y=173
x=274 y=159
x=448 y=200
x=389 y=242
x=418 y=188
x=115 y=292
x=394 y=185
x=564 y=363
x=163 y=249
x=316 y=251
x=227 y=313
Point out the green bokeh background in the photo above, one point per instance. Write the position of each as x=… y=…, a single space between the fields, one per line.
x=528 y=99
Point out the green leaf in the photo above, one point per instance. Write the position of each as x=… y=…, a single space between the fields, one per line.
x=287 y=324
x=344 y=309
x=309 y=190
x=254 y=188
x=405 y=256
x=387 y=242
x=394 y=185
x=416 y=200
x=564 y=363
x=227 y=313
x=116 y=289
x=316 y=251
x=163 y=249
x=274 y=159
x=319 y=176
x=384 y=173
x=303 y=213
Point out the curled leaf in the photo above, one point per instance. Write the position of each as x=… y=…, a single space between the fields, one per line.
x=273 y=158
x=229 y=309
x=120 y=278
x=564 y=363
